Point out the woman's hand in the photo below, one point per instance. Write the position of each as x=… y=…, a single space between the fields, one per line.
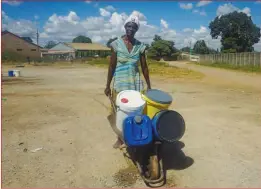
x=111 y=70
x=145 y=70
x=107 y=91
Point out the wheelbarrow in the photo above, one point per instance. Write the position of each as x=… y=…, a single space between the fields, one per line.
x=146 y=159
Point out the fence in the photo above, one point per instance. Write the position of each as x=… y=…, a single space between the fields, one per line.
x=236 y=59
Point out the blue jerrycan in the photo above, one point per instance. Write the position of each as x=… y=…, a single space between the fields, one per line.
x=137 y=130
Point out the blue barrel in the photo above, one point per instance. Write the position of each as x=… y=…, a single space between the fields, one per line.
x=11 y=73
x=137 y=131
x=168 y=126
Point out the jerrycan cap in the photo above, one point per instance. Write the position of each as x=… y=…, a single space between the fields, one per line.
x=138 y=119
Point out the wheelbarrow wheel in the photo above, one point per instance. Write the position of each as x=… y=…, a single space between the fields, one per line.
x=154 y=171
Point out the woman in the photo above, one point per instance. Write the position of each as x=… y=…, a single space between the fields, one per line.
x=126 y=53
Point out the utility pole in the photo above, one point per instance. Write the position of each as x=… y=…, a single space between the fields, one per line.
x=190 y=47
x=37 y=37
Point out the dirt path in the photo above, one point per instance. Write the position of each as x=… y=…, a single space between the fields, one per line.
x=224 y=76
x=64 y=111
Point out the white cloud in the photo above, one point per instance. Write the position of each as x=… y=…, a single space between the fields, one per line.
x=258 y=2
x=21 y=27
x=187 y=30
x=87 y=1
x=104 y=12
x=247 y=11
x=203 y=3
x=202 y=13
x=202 y=30
x=100 y=29
x=186 y=6
x=257 y=46
x=12 y=3
x=110 y=8
x=36 y=17
x=169 y=34
x=228 y=8
x=164 y=24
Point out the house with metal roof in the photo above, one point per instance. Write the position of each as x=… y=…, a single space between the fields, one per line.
x=77 y=50
x=17 y=47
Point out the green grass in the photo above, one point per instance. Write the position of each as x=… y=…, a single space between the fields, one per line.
x=157 y=68
x=231 y=67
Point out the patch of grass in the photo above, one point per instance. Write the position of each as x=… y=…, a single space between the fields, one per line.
x=99 y=62
x=222 y=65
x=163 y=69
x=157 y=68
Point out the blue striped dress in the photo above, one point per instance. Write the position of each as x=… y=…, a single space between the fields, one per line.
x=127 y=75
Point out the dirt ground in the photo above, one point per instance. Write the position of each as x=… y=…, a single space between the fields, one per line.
x=55 y=132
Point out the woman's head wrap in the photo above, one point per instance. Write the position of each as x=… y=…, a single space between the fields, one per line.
x=133 y=19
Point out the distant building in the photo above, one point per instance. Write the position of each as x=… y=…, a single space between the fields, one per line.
x=16 y=45
x=76 y=50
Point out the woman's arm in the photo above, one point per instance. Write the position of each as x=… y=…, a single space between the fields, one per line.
x=111 y=69
x=145 y=69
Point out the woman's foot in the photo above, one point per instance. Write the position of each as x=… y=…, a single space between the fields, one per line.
x=118 y=144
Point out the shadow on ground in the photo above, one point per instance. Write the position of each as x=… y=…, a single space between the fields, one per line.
x=173 y=158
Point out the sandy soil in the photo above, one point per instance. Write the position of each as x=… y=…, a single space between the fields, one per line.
x=63 y=111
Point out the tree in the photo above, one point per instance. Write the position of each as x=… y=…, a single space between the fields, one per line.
x=157 y=38
x=147 y=46
x=212 y=51
x=200 y=47
x=110 y=41
x=28 y=39
x=237 y=31
x=161 y=48
x=82 y=39
x=185 y=49
x=50 y=45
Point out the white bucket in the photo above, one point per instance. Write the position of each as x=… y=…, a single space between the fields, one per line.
x=17 y=73
x=134 y=105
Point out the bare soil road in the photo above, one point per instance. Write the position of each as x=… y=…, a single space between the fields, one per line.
x=223 y=76
x=55 y=132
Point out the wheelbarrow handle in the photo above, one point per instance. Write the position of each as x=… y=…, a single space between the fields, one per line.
x=112 y=103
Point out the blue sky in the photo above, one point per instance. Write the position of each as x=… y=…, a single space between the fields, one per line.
x=183 y=21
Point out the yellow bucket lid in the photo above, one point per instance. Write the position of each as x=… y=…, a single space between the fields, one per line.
x=158 y=96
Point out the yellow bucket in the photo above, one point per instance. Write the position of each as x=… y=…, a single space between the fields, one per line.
x=152 y=107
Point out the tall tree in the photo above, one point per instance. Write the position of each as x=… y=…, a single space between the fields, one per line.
x=147 y=46
x=200 y=47
x=28 y=39
x=161 y=48
x=50 y=44
x=82 y=39
x=237 y=31
x=157 y=38
x=110 y=41
x=185 y=49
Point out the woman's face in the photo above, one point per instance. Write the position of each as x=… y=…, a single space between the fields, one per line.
x=131 y=28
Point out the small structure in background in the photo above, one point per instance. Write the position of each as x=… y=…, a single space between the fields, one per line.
x=189 y=56
x=70 y=51
x=18 y=48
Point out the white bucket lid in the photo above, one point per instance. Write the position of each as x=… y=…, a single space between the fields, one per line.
x=130 y=100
